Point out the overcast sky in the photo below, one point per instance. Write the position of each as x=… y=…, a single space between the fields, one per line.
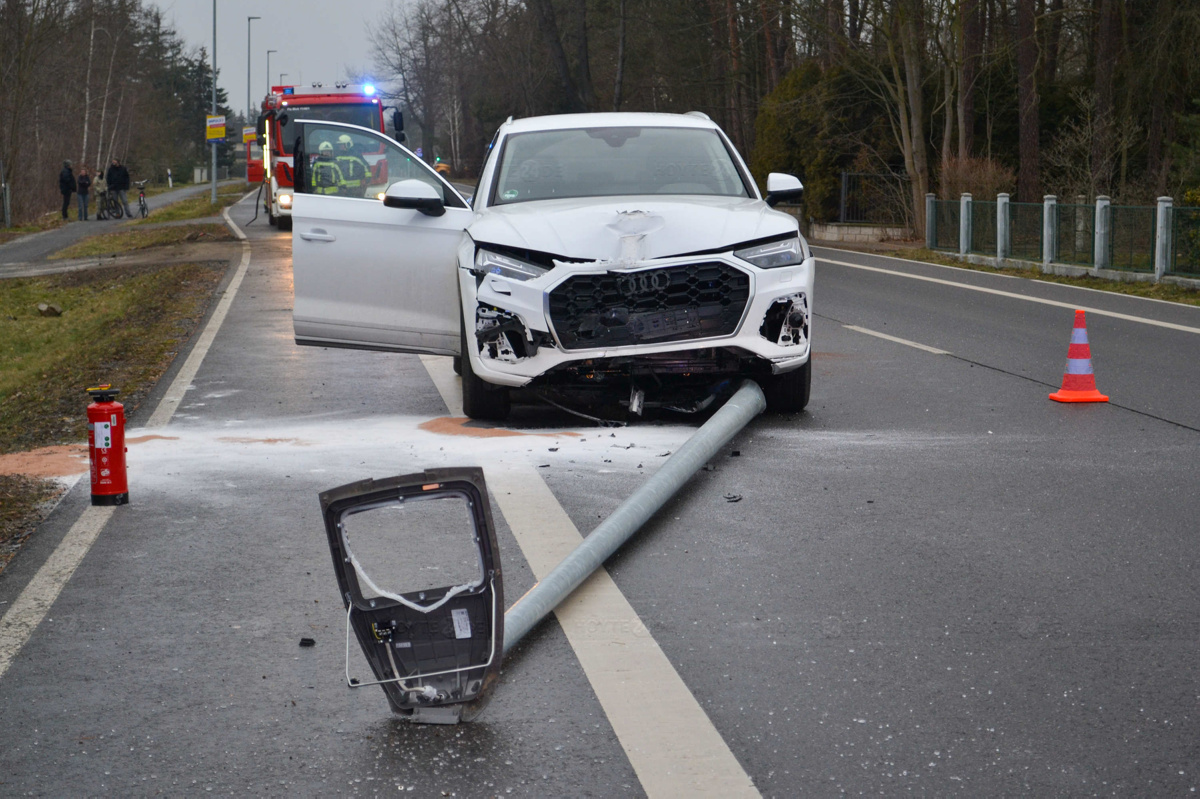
x=315 y=40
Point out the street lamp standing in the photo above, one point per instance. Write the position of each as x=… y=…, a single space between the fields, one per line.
x=214 y=103
x=248 y=106
x=269 y=69
x=281 y=74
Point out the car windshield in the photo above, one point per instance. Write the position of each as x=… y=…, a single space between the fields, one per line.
x=606 y=162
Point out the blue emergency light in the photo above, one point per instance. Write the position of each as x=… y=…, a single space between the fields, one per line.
x=368 y=89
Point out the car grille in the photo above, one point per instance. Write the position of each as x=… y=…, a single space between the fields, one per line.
x=675 y=303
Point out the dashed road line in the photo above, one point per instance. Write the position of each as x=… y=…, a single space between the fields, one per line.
x=903 y=341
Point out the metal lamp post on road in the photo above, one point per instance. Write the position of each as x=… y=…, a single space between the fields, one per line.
x=248 y=106
x=269 y=69
x=281 y=74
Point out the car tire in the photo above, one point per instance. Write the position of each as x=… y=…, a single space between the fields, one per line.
x=456 y=362
x=789 y=392
x=284 y=222
x=481 y=400
x=272 y=220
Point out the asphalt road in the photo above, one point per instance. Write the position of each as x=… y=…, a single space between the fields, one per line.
x=937 y=580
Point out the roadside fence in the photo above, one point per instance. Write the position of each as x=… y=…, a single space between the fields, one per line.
x=1102 y=239
x=875 y=199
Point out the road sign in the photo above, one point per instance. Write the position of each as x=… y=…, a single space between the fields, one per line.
x=247 y=134
x=214 y=128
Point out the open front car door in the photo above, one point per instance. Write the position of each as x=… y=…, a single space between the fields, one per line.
x=375 y=239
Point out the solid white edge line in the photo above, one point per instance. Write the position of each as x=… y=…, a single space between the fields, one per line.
x=903 y=341
x=183 y=379
x=1011 y=295
x=36 y=599
x=673 y=746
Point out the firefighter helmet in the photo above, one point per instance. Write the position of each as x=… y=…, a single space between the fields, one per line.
x=345 y=139
x=325 y=147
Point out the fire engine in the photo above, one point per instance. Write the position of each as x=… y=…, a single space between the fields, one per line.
x=275 y=133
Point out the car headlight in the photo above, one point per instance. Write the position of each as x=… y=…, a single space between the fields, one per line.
x=787 y=252
x=489 y=262
x=285 y=201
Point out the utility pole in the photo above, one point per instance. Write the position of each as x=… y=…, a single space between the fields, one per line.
x=248 y=106
x=214 y=103
x=269 y=69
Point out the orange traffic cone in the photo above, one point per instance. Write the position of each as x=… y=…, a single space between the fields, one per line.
x=1079 y=381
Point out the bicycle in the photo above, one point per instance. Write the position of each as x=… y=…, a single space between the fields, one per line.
x=143 y=209
x=108 y=206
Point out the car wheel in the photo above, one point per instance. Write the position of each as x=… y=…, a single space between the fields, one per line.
x=285 y=222
x=272 y=220
x=481 y=400
x=789 y=392
x=457 y=364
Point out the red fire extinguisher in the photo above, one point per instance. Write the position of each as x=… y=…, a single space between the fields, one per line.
x=106 y=447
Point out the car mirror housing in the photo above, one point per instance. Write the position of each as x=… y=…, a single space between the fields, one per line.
x=782 y=187
x=415 y=194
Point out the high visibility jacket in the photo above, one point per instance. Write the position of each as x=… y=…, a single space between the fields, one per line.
x=355 y=171
x=326 y=177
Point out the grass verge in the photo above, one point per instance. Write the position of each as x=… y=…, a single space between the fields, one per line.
x=24 y=502
x=1157 y=291
x=121 y=325
x=197 y=207
x=43 y=222
x=129 y=240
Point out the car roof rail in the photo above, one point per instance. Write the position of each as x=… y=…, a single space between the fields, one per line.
x=700 y=114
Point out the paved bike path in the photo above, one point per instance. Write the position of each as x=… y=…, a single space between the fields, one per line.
x=38 y=247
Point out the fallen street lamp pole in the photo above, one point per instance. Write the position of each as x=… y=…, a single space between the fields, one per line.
x=634 y=512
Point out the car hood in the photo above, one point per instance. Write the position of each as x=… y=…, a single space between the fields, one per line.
x=629 y=228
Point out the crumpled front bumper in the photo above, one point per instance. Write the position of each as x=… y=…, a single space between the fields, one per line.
x=517 y=342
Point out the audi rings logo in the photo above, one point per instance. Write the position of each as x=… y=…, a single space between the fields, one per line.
x=642 y=283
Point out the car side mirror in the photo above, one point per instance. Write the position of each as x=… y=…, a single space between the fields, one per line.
x=783 y=188
x=415 y=194
x=260 y=129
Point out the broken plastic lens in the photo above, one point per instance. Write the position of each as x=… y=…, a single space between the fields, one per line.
x=773 y=254
x=497 y=264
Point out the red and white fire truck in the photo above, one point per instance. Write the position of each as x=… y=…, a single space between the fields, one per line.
x=355 y=104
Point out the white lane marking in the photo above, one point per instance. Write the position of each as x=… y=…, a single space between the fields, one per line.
x=441 y=370
x=1011 y=295
x=903 y=341
x=669 y=739
x=183 y=379
x=35 y=600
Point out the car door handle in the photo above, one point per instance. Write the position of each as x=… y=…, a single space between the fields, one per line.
x=317 y=234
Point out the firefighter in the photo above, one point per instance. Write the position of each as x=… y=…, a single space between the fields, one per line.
x=326 y=174
x=356 y=172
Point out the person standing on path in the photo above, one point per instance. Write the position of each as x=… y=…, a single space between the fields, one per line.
x=118 y=181
x=83 y=185
x=66 y=186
